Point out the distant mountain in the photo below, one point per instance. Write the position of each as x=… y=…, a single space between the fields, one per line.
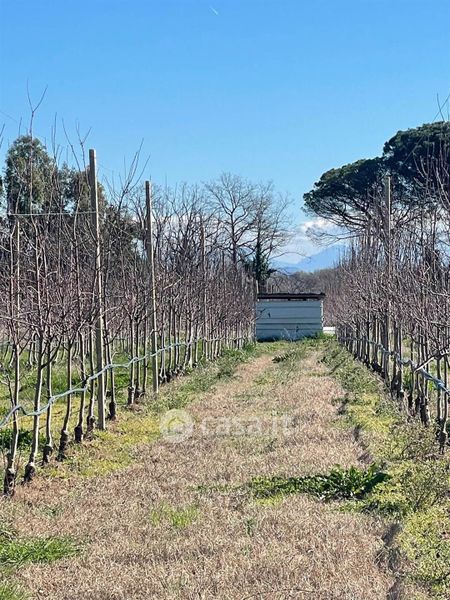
x=322 y=260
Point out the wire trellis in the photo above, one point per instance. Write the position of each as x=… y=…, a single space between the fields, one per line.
x=85 y=384
x=404 y=362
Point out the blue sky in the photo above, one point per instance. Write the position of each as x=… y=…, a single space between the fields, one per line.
x=279 y=90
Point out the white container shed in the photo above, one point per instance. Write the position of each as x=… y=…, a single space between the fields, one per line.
x=288 y=316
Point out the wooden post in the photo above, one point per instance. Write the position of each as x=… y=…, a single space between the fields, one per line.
x=205 y=330
x=388 y=251
x=98 y=290
x=10 y=467
x=151 y=264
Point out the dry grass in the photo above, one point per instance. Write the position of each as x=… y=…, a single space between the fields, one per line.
x=175 y=525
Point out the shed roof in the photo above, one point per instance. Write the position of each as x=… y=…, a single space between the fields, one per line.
x=288 y=296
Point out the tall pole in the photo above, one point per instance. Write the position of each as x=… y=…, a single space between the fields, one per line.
x=151 y=264
x=205 y=332
x=388 y=251
x=10 y=470
x=98 y=290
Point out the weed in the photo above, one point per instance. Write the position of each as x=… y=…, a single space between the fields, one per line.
x=339 y=484
x=15 y=551
x=280 y=358
x=250 y=526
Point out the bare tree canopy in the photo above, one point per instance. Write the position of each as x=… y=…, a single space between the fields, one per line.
x=254 y=217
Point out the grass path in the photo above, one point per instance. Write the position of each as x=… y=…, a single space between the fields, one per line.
x=177 y=524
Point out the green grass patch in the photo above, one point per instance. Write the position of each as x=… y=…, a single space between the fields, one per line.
x=110 y=450
x=17 y=551
x=339 y=484
x=10 y=591
x=178 y=518
x=364 y=405
x=425 y=541
x=353 y=376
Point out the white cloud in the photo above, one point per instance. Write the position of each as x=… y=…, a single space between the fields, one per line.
x=300 y=245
